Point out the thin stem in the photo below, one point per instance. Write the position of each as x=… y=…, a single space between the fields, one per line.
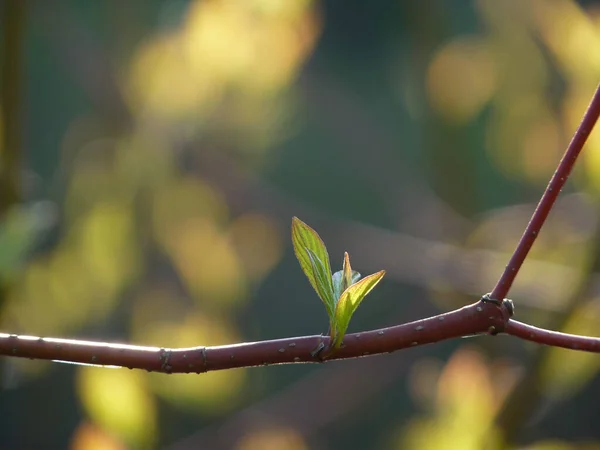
x=478 y=318
x=547 y=201
x=554 y=338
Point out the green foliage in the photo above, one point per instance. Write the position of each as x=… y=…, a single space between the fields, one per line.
x=314 y=260
x=349 y=301
x=323 y=283
x=341 y=292
x=344 y=278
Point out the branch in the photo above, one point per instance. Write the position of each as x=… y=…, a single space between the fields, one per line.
x=554 y=338
x=528 y=393
x=540 y=214
x=478 y=318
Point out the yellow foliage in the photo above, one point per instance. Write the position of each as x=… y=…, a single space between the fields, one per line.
x=542 y=147
x=461 y=79
x=463 y=410
x=157 y=68
x=108 y=248
x=575 y=102
x=188 y=218
x=118 y=401
x=231 y=62
x=234 y=39
x=58 y=295
x=569 y=32
x=207 y=262
x=525 y=133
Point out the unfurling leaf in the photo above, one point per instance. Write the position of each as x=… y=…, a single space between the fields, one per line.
x=314 y=260
x=344 y=278
x=349 y=301
x=341 y=292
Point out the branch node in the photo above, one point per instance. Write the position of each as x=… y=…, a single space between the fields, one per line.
x=204 y=360
x=165 y=356
x=487 y=298
x=315 y=353
x=506 y=304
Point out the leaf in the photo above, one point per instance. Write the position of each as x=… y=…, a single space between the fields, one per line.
x=347 y=271
x=305 y=238
x=349 y=301
x=131 y=414
x=344 y=278
x=323 y=282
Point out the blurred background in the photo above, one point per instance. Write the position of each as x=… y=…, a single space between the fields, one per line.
x=153 y=153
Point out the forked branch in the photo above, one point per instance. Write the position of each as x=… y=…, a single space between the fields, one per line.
x=478 y=318
x=491 y=315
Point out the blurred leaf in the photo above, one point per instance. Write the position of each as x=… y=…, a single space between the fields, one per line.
x=349 y=301
x=108 y=246
x=466 y=395
x=190 y=219
x=216 y=60
x=461 y=78
x=119 y=402
x=316 y=267
x=207 y=262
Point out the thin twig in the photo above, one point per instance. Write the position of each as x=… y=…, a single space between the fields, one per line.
x=554 y=338
x=544 y=207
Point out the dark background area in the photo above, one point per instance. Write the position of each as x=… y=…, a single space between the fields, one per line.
x=154 y=152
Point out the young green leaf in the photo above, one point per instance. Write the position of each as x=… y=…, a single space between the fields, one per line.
x=323 y=282
x=306 y=240
x=349 y=301
x=344 y=278
x=347 y=268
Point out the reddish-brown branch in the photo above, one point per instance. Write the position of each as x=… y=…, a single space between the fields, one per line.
x=478 y=318
x=554 y=338
x=547 y=201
